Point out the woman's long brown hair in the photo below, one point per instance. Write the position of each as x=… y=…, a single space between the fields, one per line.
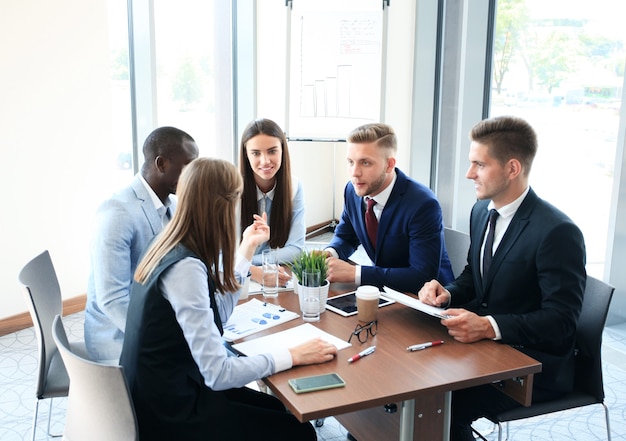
x=204 y=221
x=281 y=214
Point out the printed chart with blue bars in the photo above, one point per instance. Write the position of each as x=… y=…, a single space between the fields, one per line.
x=254 y=316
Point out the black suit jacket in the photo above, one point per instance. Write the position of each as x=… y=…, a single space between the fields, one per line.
x=534 y=288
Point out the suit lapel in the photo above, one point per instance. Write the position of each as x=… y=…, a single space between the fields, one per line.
x=392 y=205
x=147 y=206
x=516 y=227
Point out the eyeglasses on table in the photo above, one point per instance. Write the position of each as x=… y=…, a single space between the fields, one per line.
x=362 y=332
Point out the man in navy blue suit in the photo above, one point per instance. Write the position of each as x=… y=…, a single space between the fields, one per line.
x=529 y=291
x=408 y=247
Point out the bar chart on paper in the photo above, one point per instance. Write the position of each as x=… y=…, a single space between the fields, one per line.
x=335 y=67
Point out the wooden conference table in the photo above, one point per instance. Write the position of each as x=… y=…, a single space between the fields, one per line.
x=419 y=382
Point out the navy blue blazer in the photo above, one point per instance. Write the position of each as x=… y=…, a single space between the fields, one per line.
x=410 y=250
x=534 y=289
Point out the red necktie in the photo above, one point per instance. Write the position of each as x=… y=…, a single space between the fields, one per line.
x=371 y=223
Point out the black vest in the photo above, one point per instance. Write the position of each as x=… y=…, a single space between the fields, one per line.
x=165 y=382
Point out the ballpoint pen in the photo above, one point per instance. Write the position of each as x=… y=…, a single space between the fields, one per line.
x=421 y=346
x=361 y=354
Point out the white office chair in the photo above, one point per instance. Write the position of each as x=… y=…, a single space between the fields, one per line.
x=100 y=406
x=43 y=295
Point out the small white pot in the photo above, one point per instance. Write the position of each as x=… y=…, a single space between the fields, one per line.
x=323 y=293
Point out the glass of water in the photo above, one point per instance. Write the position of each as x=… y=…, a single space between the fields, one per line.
x=310 y=297
x=270 y=273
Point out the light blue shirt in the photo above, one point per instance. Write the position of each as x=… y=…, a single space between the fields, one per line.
x=184 y=285
x=297 y=231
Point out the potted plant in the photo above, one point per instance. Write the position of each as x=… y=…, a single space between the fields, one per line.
x=312 y=261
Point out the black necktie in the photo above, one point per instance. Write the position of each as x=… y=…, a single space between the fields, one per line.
x=488 y=252
x=371 y=223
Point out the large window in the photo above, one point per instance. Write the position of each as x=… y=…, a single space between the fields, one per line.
x=121 y=155
x=560 y=65
x=185 y=66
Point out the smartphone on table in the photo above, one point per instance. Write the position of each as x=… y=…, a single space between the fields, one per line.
x=316 y=382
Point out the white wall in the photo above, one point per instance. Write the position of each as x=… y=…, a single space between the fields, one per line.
x=55 y=113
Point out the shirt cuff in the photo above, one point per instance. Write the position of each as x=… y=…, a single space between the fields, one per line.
x=357 y=275
x=495 y=327
x=332 y=251
x=282 y=360
x=242 y=268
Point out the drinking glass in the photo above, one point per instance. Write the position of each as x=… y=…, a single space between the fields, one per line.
x=310 y=298
x=270 y=273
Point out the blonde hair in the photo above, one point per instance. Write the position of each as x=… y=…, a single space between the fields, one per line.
x=204 y=221
x=382 y=134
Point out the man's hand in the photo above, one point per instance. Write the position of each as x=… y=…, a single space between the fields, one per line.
x=467 y=327
x=340 y=271
x=432 y=293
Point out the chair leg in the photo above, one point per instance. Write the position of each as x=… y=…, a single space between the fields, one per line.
x=49 y=416
x=608 y=425
x=35 y=419
x=52 y=435
x=500 y=431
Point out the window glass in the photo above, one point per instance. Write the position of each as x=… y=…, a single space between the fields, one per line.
x=184 y=42
x=121 y=122
x=560 y=66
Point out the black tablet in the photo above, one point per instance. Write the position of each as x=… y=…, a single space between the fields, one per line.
x=345 y=304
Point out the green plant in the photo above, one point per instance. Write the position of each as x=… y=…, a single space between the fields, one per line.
x=309 y=261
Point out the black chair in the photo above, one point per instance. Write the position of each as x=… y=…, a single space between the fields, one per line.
x=457 y=246
x=43 y=295
x=588 y=384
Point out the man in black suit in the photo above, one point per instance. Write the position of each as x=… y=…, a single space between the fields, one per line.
x=531 y=295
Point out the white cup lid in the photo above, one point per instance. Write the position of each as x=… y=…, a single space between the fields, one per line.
x=367 y=292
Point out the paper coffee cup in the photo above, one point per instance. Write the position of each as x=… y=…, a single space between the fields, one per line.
x=367 y=303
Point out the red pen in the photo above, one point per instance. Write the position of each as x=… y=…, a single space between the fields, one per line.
x=368 y=351
x=421 y=346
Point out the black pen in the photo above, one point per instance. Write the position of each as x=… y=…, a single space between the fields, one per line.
x=421 y=346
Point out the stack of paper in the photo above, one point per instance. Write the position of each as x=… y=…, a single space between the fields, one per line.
x=415 y=303
x=257 y=288
x=288 y=339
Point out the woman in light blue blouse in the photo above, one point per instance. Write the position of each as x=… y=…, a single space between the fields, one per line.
x=269 y=188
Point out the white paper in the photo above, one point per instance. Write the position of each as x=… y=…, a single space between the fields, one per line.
x=254 y=316
x=415 y=303
x=288 y=339
x=257 y=288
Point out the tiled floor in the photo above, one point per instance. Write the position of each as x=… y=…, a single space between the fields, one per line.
x=17 y=383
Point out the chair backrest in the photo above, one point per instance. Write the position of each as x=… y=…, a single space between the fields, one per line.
x=596 y=302
x=99 y=405
x=43 y=296
x=457 y=245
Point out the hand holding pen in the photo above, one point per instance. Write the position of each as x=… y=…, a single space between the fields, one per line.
x=421 y=346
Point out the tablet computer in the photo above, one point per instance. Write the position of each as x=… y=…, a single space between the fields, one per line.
x=345 y=304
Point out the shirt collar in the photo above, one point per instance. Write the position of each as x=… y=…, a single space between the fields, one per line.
x=382 y=197
x=508 y=211
x=153 y=197
x=270 y=194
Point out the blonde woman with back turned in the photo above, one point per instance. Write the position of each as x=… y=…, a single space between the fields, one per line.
x=184 y=384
